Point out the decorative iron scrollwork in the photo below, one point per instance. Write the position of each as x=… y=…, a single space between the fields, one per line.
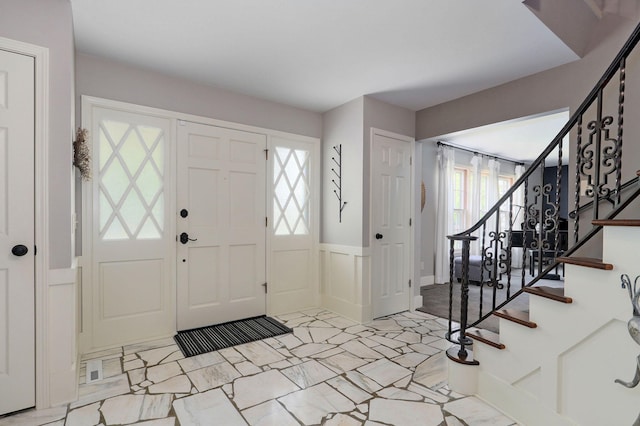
x=495 y=264
x=599 y=140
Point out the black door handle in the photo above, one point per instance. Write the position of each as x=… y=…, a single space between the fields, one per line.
x=184 y=238
x=19 y=250
x=378 y=236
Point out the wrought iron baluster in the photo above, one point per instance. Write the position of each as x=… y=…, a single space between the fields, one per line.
x=482 y=262
x=525 y=245
x=618 y=154
x=576 y=220
x=556 y=243
x=509 y=245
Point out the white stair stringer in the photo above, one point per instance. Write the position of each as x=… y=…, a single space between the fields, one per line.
x=563 y=371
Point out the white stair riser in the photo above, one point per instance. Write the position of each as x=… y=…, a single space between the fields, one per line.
x=563 y=371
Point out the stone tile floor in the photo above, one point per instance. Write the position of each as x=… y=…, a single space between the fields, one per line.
x=329 y=371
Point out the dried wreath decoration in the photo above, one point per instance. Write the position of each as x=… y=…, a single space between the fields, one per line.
x=81 y=154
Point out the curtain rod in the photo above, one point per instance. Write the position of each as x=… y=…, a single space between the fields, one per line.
x=520 y=163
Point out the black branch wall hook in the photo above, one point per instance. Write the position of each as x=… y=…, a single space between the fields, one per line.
x=337 y=181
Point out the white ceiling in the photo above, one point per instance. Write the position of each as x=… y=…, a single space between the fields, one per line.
x=520 y=140
x=319 y=54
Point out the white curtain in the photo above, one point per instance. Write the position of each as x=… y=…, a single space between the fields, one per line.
x=474 y=200
x=518 y=217
x=493 y=189
x=444 y=226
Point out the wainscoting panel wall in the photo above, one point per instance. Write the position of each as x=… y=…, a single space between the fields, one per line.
x=346 y=281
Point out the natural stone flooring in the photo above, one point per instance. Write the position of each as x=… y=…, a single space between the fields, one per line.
x=329 y=371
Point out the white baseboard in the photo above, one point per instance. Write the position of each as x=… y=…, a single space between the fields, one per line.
x=417 y=302
x=427 y=280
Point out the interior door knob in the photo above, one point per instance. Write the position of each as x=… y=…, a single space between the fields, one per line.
x=378 y=236
x=19 y=250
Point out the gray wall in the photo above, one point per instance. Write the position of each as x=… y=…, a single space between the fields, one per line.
x=122 y=82
x=350 y=125
x=558 y=88
x=343 y=125
x=49 y=24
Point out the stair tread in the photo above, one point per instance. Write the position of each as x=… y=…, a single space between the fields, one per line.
x=588 y=262
x=553 y=293
x=616 y=222
x=485 y=336
x=520 y=317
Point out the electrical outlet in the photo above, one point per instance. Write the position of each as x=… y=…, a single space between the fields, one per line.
x=94 y=370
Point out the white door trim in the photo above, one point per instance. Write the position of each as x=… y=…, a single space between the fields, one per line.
x=374 y=131
x=41 y=57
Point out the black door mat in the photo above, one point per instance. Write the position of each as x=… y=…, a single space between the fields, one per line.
x=214 y=337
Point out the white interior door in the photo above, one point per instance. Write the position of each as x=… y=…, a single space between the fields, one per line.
x=221 y=188
x=391 y=204
x=131 y=241
x=17 y=328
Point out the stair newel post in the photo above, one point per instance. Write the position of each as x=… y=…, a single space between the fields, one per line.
x=462 y=339
x=451 y=266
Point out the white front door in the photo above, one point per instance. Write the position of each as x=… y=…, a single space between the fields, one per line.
x=391 y=204
x=221 y=225
x=17 y=328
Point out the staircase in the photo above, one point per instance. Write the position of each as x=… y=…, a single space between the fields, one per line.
x=557 y=362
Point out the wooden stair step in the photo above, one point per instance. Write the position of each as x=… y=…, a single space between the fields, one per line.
x=520 y=317
x=553 y=293
x=587 y=262
x=485 y=336
x=616 y=222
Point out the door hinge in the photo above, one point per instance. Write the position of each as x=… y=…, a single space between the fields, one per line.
x=35 y=250
x=409 y=221
x=266 y=221
x=265 y=287
x=266 y=154
x=409 y=283
x=410 y=161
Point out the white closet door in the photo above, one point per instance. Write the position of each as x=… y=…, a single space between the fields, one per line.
x=221 y=256
x=390 y=242
x=17 y=328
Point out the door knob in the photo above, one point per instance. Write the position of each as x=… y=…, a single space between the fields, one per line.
x=378 y=236
x=184 y=238
x=19 y=250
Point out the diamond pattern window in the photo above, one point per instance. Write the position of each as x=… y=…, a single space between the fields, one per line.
x=131 y=184
x=291 y=201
